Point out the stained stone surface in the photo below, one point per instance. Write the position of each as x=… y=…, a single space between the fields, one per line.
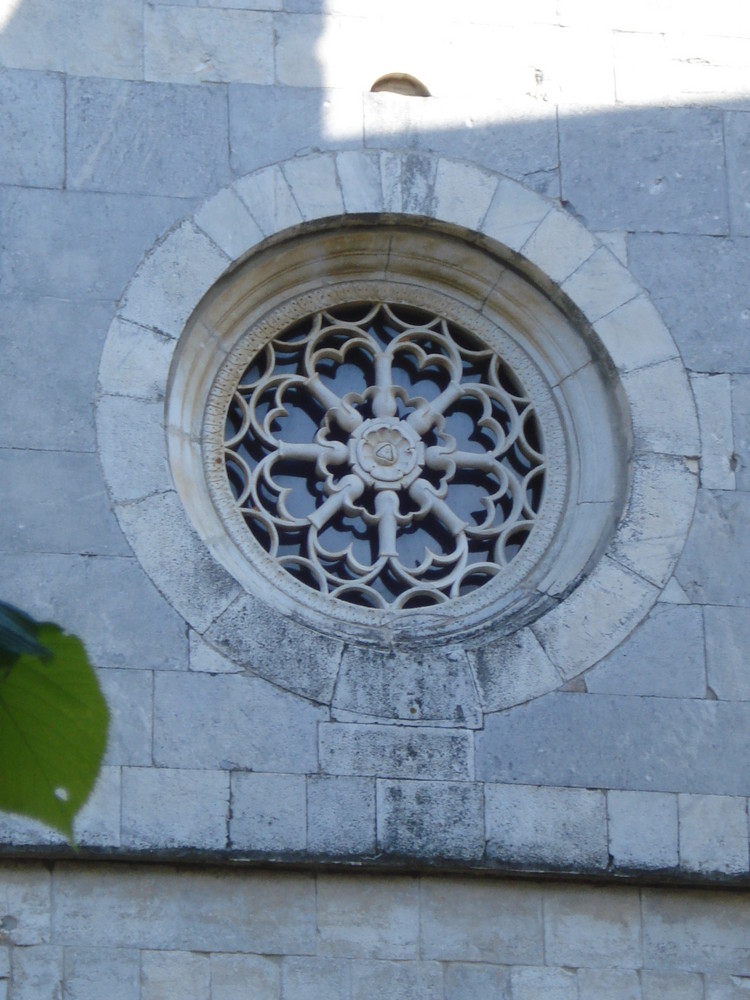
x=242 y=736
x=665 y=170
x=696 y=284
x=107 y=118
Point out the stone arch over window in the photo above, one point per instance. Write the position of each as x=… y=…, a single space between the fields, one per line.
x=498 y=262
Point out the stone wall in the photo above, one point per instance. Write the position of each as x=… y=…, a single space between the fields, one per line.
x=631 y=126
x=152 y=933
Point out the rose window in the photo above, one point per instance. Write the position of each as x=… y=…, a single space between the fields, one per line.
x=384 y=456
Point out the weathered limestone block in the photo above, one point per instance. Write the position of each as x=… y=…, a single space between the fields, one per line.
x=430 y=819
x=601 y=928
x=529 y=826
x=395 y=751
x=643 y=831
x=464 y=920
x=164 y=808
x=235 y=722
x=268 y=813
x=372 y=919
x=664 y=170
x=106 y=118
x=340 y=815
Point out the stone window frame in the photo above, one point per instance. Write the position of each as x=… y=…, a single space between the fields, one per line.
x=552 y=250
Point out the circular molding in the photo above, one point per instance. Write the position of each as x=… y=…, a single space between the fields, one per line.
x=580 y=614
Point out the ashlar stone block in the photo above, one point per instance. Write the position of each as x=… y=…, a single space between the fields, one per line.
x=31 y=131
x=512 y=670
x=657 y=985
x=168 y=974
x=408 y=685
x=82 y=594
x=652 y=533
x=128 y=693
x=269 y=199
x=462 y=193
x=397 y=980
x=468 y=981
x=713 y=398
x=741 y=428
x=395 y=751
x=87 y=263
x=268 y=813
x=93 y=973
x=193 y=45
x=663 y=744
x=315 y=186
x=38 y=337
x=105 y=117
x=662 y=410
x=171 y=280
x=340 y=815
x=78 y=37
x=737 y=142
x=727 y=643
x=135 y=362
x=551 y=827
x=156 y=908
x=207 y=660
x=714 y=568
x=552 y=984
x=142 y=470
x=165 y=808
x=360 y=918
x=601 y=285
x=234 y=722
x=598 y=929
x=595 y=618
x=713 y=834
x=665 y=169
x=418 y=172
x=268 y=124
x=710 y=934
x=226 y=219
x=643 y=831
x=70 y=515
x=288 y=654
x=614 y=984
x=176 y=559
x=514 y=214
x=635 y=335
x=439 y=819
x=464 y=920
x=361 y=181
x=25 y=904
x=37 y=971
x=664 y=657
x=559 y=245
x=237 y=977
x=725 y=987
x=697 y=284
x=313 y=978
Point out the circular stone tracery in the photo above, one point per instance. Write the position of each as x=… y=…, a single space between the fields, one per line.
x=385 y=457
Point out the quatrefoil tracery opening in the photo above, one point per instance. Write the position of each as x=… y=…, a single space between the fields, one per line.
x=384 y=457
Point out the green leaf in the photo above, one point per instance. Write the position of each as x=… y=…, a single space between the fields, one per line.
x=18 y=632
x=53 y=731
